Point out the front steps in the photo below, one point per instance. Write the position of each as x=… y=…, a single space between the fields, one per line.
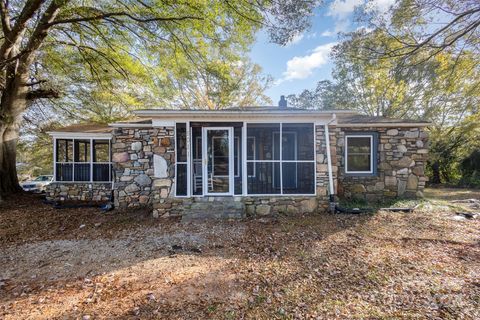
x=214 y=208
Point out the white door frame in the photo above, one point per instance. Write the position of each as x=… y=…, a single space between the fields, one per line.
x=231 y=172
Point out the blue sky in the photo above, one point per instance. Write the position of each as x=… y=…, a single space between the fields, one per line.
x=305 y=61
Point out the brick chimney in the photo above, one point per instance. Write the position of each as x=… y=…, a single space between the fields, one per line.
x=282 y=104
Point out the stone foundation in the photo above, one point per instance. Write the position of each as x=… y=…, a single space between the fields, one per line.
x=61 y=191
x=284 y=205
x=254 y=206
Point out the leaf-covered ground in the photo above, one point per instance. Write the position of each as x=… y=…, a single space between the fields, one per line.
x=79 y=263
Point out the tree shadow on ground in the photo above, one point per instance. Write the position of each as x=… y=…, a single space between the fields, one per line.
x=60 y=256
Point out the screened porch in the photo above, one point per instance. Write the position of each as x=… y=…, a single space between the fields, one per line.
x=244 y=158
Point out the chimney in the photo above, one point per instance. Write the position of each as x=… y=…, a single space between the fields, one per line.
x=282 y=104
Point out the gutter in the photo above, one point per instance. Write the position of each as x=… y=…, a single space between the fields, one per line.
x=331 y=195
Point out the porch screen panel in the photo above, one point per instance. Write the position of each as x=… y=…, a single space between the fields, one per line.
x=101 y=160
x=263 y=161
x=280 y=158
x=64 y=160
x=181 y=159
x=82 y=160
x=298 y=158
x=74 y=160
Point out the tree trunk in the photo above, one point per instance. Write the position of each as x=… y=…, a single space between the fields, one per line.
x=12 y=105
x=436 y=173
x=8 y=155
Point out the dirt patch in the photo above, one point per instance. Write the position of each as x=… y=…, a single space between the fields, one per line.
x=129 y=265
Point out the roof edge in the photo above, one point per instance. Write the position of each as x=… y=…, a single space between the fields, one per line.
x=384 y=124
x=163 y=112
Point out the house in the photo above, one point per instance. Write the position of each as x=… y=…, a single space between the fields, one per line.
x=253 y=161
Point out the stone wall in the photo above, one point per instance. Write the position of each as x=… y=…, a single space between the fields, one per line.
x=402 y=155
x=144 y=166
x=254 y=206
x=290 y=205
x=63 y=191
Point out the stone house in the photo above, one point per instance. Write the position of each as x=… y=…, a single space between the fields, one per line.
x=240 y=161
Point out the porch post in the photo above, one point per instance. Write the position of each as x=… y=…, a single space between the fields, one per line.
x=189 y=169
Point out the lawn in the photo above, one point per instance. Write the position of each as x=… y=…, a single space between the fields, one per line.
x=80 y=263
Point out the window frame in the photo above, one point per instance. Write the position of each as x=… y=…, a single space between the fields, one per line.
x=91 y=161
x=373 y=153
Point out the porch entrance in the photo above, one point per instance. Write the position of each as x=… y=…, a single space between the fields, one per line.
x=217 y=148
x=216 y=158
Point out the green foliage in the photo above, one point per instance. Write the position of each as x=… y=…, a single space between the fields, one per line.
x=470 y=168
x=108 y=58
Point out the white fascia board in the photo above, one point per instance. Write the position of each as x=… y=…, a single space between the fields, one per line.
x=79 y=135
x=157 y=123
x=164 y=121
x=192 y=114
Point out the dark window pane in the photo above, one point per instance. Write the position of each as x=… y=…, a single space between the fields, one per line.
x=64 y=150
x=264 y=179
x=220 y=155
x=298 y=177
x=251 y=148
x=82 y=172
x=181 y=140
x=359 y=162
x=262 y=135
x=64 y=172
x=297 y=141
x=82 y=151
x=181 y=178
x=101 y=172
x=101 y=151
x=358 y=145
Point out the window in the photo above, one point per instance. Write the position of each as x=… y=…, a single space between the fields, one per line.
x=359 y=154
x=283 y=165
x=74 y=161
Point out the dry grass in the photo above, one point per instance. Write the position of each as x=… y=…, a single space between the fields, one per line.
x=383 y=266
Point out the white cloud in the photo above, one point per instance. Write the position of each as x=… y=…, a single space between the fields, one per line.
x=296 y=39
x=341 y=9
x=303 y=67
x=328 y=33
x=381 y=6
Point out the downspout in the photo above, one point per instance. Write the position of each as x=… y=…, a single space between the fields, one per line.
x=331 y=195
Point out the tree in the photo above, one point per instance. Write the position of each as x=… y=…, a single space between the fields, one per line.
x=443 y=89
x=421 y=29
x=45 y=40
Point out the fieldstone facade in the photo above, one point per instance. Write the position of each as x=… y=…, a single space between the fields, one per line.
x=61 y=191
x=144 y=166
x=401 y=159
x=144 y=169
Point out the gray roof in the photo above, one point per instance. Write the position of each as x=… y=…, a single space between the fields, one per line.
x=87 y=128
x=363 y=119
